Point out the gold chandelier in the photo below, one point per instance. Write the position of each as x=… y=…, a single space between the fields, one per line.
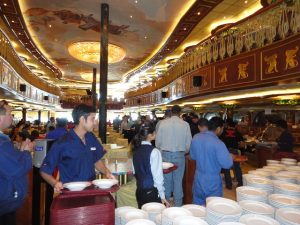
x=89 y=51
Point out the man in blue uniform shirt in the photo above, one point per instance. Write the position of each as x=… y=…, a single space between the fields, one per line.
x=211 y=156
x=14 y=165
x=77 y=153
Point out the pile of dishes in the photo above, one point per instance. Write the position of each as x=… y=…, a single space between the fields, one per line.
x=253 y=219
x=231 y=223
x=222 y=210
x=133 y=214
x=189 y=220
x=284 y=201
x=272 y=162
x=140 y=222
x=274 y=168
x=169 y=214
x=281 y=187
x=260 y=182
x=118 y=213
x=153 y=209
x=289 y=162
x=254 y=207
x=293 y=168
x=262 y=173
x=197 y=210
x=288 y=176
x=251 y=193
x=287 y=216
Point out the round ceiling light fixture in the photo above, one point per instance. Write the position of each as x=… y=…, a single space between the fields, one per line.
x=89 y=51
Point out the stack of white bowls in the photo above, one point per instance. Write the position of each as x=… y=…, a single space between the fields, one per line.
x=197 y=210
x=254 y=219
x=281 y=187
x=261 y=173
x=284 y=201
x=158 y=219
x=189 y=220
x=153 y=209
x=140 y=222
x=260 y=182
x=169 y=214
x=118 y=213
x=251 y=193
x=288 y=216
x=222 y=210
x=272 y=162
x=254 y=207
x=287 y=176
x=231 y=223
x=132 y=214
x=289 y=162
x=273 y=168
x=293 y=168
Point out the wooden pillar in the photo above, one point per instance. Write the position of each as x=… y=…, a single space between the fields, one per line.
x=103 y=71
x=24 y=112
x=94 y=94
x=40 y=115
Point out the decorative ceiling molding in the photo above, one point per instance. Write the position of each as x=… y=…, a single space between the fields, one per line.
x=185 y=26
x=12 y=16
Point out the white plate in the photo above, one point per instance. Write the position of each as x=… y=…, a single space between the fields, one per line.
x=153 y=207
x=289 y=214
x=140 y=222
x=224 y=206
x=133 y=214
x=253 y=219
x=188 y=220
x=76 y=186
x=257 y=207
x=288 y=160
x=196 y=210
x=284 y=199
x=270 y=161
x=246 y=190
x=167 y=165
x=287 y=186
x=231 y=223
x=105 y=183
x=174 y=212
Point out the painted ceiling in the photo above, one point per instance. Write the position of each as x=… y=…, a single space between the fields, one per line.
x=137 y=26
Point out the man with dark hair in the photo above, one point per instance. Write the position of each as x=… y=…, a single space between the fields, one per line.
x=194 y=124
x=173 y=139
x=60 y=130
x=14 y=166
x=77 y=153
x=286 y=140
x=211 y=156
x=233 y=140
x=203 y=124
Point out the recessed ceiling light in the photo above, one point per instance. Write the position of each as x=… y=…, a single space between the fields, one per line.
x=12 y=21
x=245 y=1
x=20 y=33
x=198 y=13
x=136 y=1
x=130 y=16
x=224 y=17
x=175 y=40
x=50 y=25
x=184 y=28
x=4 y=4
x=145 y=37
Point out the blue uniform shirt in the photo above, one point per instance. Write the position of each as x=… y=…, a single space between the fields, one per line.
x=56 y=133
x=211 y=155
x=74 y=159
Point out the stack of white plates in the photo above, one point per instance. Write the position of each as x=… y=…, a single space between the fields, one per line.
x=222 y=210
x=169 y=214
x=189 y=220
x=288 y=176
x=284 y=201
x=251 y=193
x=140 y=222
x=231 y=223
x=118 y=213
x=293 y=168
x=133 y=214
x=289 y=161
x=260 y=182
x=197 y=210
x=273 y=168
x=262 y=173
x=272 y=162
x=281 y=187
x=254 y=207
x=246 y=177
x=253 y=219
x=288 y=216
x=153 y=209
x=298 y=179
x=158 y=219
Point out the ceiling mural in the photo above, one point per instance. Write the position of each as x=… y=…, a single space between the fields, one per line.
x=136 y=26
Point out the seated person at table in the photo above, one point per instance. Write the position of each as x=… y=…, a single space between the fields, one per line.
x=77 y=153
x=211 y=155
x=147 y=162
x=286 y=140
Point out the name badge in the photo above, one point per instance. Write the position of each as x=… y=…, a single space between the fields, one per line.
x=93 y=148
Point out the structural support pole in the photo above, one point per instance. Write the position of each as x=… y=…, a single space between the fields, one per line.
x=103 y=71
x=40 y=115
x=24 y=113
x=94 y=94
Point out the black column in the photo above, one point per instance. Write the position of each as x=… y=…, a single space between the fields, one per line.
x=94 y=94
x=24 y=112
x=40 y=115
x=103 y=71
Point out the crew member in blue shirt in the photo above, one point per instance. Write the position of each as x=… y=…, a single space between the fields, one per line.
x=211 y=156
x=59 y=131
x=77 y=153
x=14 y=166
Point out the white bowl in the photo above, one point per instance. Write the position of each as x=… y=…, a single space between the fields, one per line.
x=76 y=186
x=167 y=165
x=188 y=220
x=104 y=183
x=140 y=222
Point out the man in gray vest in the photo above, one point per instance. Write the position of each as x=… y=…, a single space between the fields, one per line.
x=173 y=138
